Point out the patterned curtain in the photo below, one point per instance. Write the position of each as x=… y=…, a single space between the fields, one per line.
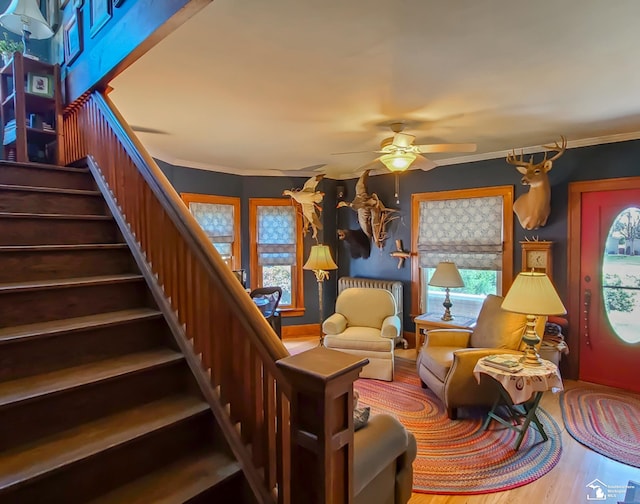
x=276 y=235
x=466 y=231
x=217 y=222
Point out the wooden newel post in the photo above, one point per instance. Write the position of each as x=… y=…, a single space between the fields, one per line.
x=321 y=424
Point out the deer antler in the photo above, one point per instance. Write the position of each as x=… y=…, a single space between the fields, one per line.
x=512 y=159
x=557 y=148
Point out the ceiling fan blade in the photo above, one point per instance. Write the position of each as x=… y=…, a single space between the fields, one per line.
x=431 y=148
x=370 y=165
x=353 y=152
x=403 y=139
x=423 y=163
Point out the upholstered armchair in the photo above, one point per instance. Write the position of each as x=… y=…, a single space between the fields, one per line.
x=446 y=361
x=383 y=455
x=365 y=324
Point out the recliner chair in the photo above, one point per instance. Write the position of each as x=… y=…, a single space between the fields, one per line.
x=446 y=361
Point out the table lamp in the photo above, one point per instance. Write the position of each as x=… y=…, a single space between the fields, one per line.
x=320 y=262
x=533 y=294
x=24 y=18
x=446 y=275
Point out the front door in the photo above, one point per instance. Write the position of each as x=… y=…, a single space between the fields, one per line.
x=610 y=288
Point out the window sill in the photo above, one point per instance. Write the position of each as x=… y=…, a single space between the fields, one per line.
x=291 y=312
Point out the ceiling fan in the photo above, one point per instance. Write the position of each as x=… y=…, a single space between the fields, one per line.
x=399 y=152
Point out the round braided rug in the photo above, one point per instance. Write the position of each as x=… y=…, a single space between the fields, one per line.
x=606 y=422
x=454 y=457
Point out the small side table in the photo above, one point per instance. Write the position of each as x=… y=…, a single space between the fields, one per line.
x=428 y=321
x=521 y=393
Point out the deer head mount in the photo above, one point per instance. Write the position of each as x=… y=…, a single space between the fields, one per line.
x=533 y=208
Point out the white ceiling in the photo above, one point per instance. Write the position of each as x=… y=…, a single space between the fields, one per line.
x=275 y=87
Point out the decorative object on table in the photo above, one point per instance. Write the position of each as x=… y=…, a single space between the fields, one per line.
x=373 y=215
x=537 y=256
x=8 y=47
x=41 y=85
x=358 y=242
x=476 y=462
x=320 y=262
x=99 y=15
x=446 y=275
x=506 y=362
x=24 y=17
x=400 y=253
x=307 y=200
x=606 y=421
x=533 y=208
x=533 y=294
x=72 y=37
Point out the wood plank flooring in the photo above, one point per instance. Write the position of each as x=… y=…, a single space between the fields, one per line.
x=566 y=483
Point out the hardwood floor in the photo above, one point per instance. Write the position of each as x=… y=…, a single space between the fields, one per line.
x=566 y=483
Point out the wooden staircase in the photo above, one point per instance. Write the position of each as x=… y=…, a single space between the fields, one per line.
x=97 y=403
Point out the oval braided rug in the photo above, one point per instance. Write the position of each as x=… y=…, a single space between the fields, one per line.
x=606 y=422
x=454 y=457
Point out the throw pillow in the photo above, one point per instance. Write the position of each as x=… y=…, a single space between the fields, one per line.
x=360 y=417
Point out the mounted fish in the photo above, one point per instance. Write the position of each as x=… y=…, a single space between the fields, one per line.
x=373 y=216
x=307 y=202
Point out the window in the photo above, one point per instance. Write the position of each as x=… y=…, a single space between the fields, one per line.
x=621 y=275
x=219 y=217
x=276 y=250
x=471 y=227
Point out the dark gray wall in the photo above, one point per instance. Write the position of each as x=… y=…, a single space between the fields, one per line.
x=222 y=184
x=586 y=163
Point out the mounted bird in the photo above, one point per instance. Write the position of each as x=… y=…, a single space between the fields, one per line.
x=373 y=216
x=307 y=201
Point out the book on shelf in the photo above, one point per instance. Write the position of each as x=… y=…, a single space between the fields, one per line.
x=505 y=362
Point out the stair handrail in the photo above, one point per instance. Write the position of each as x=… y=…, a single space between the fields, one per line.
x=267 y=393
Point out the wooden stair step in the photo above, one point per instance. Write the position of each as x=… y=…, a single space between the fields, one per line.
x=69 y=282
x=177 y=483
x=42 y=200
x=52 y=190
x=55 y=452
x=63 y=247
x=43 y=175
x=33 y=387
x=72 y=217
x=53 y=327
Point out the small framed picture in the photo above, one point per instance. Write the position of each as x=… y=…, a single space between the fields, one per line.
x=100 y=13
x=40 y=84
x=72 y=39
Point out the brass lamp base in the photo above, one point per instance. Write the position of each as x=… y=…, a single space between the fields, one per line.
x=531 y=340
x=447 y=306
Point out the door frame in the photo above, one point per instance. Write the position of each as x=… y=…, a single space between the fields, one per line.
x=575 y=311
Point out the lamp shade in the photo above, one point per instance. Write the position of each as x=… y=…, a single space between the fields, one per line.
x=446 y=275
x=398 y=161
x=320 y=259
x=533 y=293
x=25 y=15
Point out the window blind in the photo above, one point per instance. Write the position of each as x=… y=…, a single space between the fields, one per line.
x=217 y=221
x=467 y=231
x=276 y=235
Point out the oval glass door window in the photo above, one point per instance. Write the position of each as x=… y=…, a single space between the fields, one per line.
x=621 y=275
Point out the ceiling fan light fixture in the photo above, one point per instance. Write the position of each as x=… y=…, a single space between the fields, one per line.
x=398 y=161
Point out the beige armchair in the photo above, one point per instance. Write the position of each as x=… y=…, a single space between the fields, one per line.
x=384 y=452
x=446 y=361
x=365 y=324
